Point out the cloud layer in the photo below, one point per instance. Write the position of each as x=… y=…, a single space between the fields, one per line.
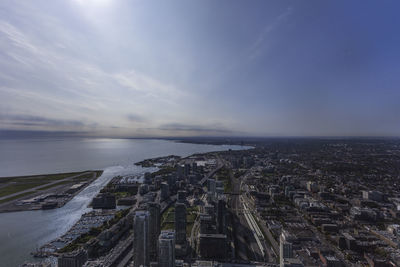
x=145 y=68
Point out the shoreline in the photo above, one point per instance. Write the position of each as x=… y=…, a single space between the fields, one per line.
x=42 y=192
x=49 y=225
x=12 y=206
x=68 y=242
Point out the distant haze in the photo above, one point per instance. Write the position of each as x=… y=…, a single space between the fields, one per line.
x=200 y=68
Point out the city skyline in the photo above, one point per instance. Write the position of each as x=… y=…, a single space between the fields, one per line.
x=178 y=68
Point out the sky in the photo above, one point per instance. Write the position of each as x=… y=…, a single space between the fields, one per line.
x=200 y=68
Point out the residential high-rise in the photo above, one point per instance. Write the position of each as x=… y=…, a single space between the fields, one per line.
x=221 y=216
x=74 y=258
x=141 y=239
x=193 y=178
x=207 y=225
x=166 y=249
x=292 y=262
x=219 y=190
x=212 y=188
x=164 y=191
x=194 y=166
x=181 y=196
x=147 y=178
x=179 y=171
x=211 y=185
x=285 y=249
x=180 y=223
x=104 y=201
x=187 y=169
x=171 y=180
x=212 y=246
x=154 y=228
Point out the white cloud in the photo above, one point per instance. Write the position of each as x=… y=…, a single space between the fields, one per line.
x=41 y=75
x=268 y=29
x=62 y=66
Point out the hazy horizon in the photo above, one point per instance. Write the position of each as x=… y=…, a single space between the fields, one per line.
x=158 y=69
x=23 y=134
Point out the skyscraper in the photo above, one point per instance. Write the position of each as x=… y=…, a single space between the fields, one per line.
x=285 y=249
x=154 y=228
x=211 y=188
x=181 y=196
x=164 y=191
x=166 y=249
x=221 y=216
x=141 y=239
x=194 y=166
x=187 y=169
x=171 y=180
x=180 y=223
x=179 y=171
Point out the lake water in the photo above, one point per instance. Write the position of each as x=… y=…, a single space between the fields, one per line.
x=22 y=232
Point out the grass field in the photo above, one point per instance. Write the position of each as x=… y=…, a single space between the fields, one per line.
x=15 y=197
x=34 y=178
x=224 y=175
x=168 y=219
x=18 y=187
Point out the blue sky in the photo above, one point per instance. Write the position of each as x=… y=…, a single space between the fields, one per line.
x=177 y=68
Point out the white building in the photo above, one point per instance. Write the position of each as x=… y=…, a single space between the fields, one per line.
x=141 y=239
x=166 y=249
x=285 y=247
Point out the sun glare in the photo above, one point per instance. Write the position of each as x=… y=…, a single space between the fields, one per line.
x=93 y=3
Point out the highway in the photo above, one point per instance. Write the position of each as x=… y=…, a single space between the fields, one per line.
x=119 y=254
x=220 y=164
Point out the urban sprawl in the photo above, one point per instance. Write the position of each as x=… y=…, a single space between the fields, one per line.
x=282 y=203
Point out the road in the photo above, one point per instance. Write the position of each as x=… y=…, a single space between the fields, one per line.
x=220 y=164
x=120 y=254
